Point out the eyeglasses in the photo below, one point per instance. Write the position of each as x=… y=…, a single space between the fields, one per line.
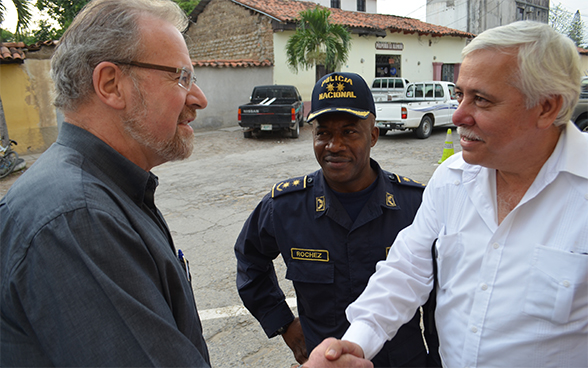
x=187 y=78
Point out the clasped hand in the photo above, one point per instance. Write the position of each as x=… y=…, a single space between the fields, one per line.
x=332 y=353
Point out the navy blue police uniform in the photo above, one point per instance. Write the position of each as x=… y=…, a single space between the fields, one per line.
x=329 y=257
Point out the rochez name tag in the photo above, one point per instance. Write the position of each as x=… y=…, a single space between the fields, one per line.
x=310 y=254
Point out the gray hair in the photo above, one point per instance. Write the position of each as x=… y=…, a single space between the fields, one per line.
x=548 y=62
x=105 y=30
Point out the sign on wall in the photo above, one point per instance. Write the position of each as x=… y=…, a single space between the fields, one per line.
x=380 y=45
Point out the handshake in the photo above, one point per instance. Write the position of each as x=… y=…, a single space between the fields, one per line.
x=336 y=353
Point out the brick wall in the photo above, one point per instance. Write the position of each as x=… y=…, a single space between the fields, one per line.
x=225 y=30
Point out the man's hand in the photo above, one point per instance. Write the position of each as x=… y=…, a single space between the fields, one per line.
x=294 y=338
x=332 y=353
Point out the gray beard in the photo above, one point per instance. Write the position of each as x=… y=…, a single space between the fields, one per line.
x=178 y=148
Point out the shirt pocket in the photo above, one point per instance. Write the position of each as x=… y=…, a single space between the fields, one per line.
x=315 y=290
x=557 y=289
x=449 y=252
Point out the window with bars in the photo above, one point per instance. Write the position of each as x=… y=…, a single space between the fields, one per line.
x=361 y=5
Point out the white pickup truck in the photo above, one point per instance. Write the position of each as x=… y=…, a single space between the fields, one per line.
x=424 y=105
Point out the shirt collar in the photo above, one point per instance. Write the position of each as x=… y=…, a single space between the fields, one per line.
x=573 y=145
x=130 y=178
x=570 y=155
x=383 y=186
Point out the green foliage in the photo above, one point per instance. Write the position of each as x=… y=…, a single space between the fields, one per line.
x=47 y=32
x=187 y=6
x=62 y=12
x=24 y=15
x=576 y=32
x=318 y=42
x=567 y=24
x=6 y=36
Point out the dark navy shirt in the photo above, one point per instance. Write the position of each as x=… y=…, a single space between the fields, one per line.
x=353 y=202
x=90 y=276
x=329 y=256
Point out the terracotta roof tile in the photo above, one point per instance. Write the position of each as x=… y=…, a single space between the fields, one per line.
x=37 y=46
x=15 y=52
x=12 y=52
x=287 y=11
x=223 y=63
x=582 y=51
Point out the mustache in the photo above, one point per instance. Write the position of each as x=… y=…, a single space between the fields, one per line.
x=467 y=133
x=187 y=113
x=334 y=157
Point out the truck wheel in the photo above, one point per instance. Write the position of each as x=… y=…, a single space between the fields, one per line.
x=296 y=132
x=425 y=128
x=247 y=134
x=583 y=125
x=383 y=132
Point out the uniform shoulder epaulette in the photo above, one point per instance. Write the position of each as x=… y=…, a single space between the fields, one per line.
x=405 y=181
x=290 y=185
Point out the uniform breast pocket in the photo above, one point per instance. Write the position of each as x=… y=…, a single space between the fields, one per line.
x=557 y=289
x=315 y=289
x=449 y=250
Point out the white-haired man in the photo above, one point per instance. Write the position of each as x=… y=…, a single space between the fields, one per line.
x=509 y=213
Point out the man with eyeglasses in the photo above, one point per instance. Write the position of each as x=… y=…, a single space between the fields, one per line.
x=90 y=275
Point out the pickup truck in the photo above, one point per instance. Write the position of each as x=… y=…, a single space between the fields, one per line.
x=272 y=108
x=423 y=106
x=580 y=114
x=385 y=89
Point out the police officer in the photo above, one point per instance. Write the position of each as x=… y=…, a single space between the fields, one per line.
x=331 y=228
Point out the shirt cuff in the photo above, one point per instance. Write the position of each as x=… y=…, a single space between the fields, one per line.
x=363 y=335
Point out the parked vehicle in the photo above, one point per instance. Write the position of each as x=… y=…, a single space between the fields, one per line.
x=385 y=89
x=424 y=105
x=271 y=108
x=580 y=114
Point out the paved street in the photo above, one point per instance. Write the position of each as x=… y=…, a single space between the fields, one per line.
x=206 y=200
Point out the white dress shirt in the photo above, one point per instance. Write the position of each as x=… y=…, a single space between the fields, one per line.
x=509 y=295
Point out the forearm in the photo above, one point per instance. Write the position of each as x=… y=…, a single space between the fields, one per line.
x=399 y=286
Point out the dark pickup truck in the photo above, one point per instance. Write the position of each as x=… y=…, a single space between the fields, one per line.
x=272 y=108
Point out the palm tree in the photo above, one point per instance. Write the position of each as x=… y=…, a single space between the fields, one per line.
x=23 y=13
x=319 y=43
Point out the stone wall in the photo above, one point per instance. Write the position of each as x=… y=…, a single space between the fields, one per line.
x=225 y=30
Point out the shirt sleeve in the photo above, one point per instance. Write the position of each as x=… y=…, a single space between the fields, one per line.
x=400 y=284
x=255 y=249
x=89 y=292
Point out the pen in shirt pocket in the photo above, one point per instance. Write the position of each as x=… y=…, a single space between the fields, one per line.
x=185 y=263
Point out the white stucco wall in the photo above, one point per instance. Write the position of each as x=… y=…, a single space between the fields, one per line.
x=351 y=5
x=418 y=56
x=226 y=89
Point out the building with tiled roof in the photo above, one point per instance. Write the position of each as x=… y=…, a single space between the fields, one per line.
x=239 y=30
